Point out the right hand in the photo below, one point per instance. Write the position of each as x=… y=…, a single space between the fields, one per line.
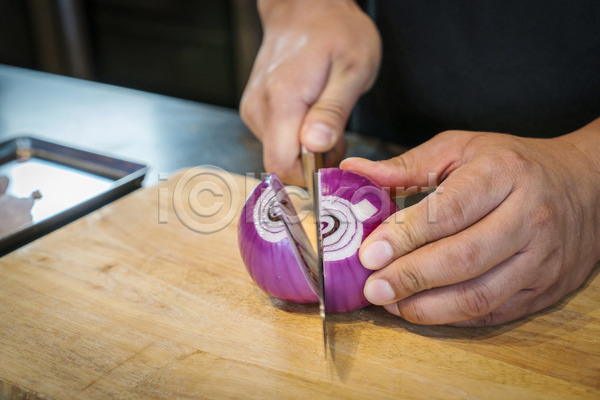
x=317 y=57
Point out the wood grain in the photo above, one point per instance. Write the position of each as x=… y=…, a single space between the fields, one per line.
x=129 y=302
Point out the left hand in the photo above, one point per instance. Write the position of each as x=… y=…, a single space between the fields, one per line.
x=512 y=227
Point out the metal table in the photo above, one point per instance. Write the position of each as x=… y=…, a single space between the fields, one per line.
x=164 y=132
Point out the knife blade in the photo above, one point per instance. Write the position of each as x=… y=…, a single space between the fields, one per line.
x=311 y=163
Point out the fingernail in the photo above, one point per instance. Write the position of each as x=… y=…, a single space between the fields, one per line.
x=376 y=255
x=379 y=291
x=320 y=135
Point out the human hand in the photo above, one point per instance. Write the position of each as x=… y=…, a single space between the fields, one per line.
x=513 y=226
x=317 y=57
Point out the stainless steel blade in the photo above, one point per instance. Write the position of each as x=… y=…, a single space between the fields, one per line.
x=311 y=163
x=317 y=208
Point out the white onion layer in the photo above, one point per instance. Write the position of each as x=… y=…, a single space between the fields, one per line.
x=345 y=241
x=269 y=230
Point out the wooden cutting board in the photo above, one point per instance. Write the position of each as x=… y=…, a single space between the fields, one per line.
x=134 y=301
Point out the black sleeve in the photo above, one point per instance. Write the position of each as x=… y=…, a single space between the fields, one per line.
x=529 y=68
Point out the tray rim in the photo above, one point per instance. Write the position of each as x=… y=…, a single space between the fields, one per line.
x=126 y=177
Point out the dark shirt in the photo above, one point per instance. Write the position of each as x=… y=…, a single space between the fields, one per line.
x=529 y=68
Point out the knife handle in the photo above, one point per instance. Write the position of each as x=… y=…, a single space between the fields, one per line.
x=311 y=163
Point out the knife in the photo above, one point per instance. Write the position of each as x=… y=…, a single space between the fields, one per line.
x=311 y=163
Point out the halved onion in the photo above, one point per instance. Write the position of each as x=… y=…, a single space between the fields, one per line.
x=352 y=206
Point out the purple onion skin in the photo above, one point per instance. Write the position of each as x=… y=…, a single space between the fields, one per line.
x=273 y=265
x=345 y=279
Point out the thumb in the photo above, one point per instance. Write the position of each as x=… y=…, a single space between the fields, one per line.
x=324 y=123
x=423 y=166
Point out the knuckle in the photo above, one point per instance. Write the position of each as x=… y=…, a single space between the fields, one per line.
x=448 y=134
x=404 y=236
x=402 y=162
x=543 y=215
x=473 y=302
x=352 y=63
x=552 y=264
x=486 y=320
x=412 y=311
x=357 y=68
x=453 y=136
x=452 y=215
x=276 y=90
x=512 y=161
x=246 y=111
x=466 y=257
x=411 y=280
x=491 y=319
x=553 y=276
x=331 y=109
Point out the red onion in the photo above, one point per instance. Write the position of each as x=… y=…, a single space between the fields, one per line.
x=266 y=248
x=352 y=206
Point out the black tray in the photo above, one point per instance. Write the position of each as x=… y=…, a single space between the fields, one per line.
x=66 y=182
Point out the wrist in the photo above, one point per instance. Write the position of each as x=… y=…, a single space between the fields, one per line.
x=587 y=141
x=268 y=8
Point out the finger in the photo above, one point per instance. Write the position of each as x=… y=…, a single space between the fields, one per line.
x=451 y=260
x=323 y=114
x=543 y=293
x=278 y=133
x=466 y=196
x=438 y=156
x=326 y=119
x=281 y=152
x=471 y=299
x=273 y=108
x=283 y=114
x=519 y=305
